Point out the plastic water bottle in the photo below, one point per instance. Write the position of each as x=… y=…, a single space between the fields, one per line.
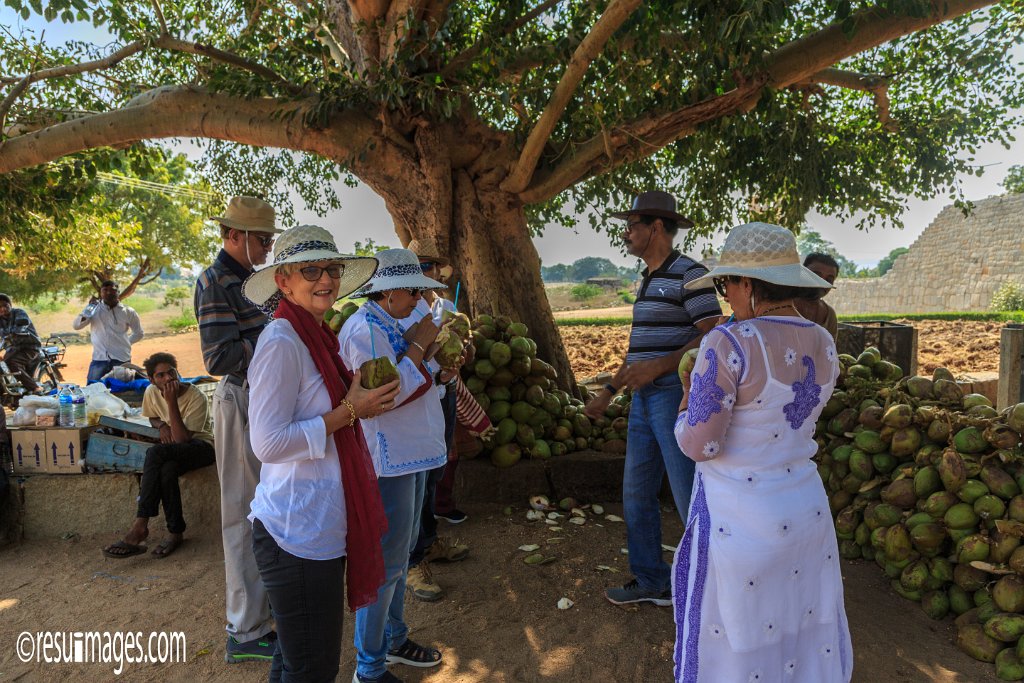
x=78 y=401
x=65 y=399
x=90 y=309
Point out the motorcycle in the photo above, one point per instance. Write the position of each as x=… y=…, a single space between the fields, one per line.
x=45 y=369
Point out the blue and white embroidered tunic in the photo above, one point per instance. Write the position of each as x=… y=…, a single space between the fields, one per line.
x=757 y=589
x=409 y=438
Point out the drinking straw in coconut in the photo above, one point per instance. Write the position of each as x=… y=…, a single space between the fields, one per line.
x=369 y=325
x=458 y=286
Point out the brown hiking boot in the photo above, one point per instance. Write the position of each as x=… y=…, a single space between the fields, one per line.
x=421 y=582
x=446 y=550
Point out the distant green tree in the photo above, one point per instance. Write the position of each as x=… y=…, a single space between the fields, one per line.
x=593 y=266
x=811 y=242
x=886 y=263
x=559 y=272
x=368 y=248
x=1014 y=182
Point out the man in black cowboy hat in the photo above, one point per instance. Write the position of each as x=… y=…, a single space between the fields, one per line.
x=667 y=321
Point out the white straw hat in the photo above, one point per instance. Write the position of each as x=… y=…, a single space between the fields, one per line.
x=305 y=244
x=761 y=251
x=398 y=269
x=249 y=214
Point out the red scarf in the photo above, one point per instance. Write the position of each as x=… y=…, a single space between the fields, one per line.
x=364 y=570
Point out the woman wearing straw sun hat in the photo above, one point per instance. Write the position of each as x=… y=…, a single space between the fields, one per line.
x=757 y=589
x=405 y=443
x=317 y=516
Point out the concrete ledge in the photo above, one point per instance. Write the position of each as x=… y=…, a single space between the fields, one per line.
x=55 y=505
x=585 y=475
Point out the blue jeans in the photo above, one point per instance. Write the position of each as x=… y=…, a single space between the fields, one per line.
x=307 y=598
x=651 y=451
x=428 y=525
x=98 y=368
x=381 y=626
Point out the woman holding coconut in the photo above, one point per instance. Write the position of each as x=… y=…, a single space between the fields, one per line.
x=757 y=589
x=405 y=444
x=316 y=504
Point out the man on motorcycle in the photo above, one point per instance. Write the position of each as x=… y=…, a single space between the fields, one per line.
x=20 y=342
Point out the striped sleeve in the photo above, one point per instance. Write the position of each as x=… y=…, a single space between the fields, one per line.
x=225 y=351
x=699 y=303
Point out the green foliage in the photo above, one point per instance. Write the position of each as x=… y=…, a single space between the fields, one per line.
x=1009 y=297
x=176 y=296
x=811 y=242
x=626 y=296
x=885 y=265
x=583 y=292
x=369 y=248
x=183 y=322
x=143 y=304
x=592 y=322
x=1014 y=181
x=584 y=268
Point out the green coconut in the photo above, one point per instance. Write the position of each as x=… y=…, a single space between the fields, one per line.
x=377 y=372
x=973 y=640
x=935 y=604
x=1008 y=593
x=970 y=440
x=506 y=455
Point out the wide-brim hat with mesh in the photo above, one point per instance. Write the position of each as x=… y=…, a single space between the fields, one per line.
x=249 y=214
x=761 y=251
x=306 y=244
x=658 y=204
x=398 y=269
x=426 y=250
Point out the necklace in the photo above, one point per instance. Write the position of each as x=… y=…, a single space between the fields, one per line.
x=778 y=308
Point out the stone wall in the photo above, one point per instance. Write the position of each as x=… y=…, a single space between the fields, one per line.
x=957 y=264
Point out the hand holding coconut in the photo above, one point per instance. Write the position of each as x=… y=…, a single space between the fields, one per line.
x=366 y=402
x=421 y=337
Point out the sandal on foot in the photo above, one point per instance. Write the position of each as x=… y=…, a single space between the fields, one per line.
x=121 y=549
x=167 y=547
x=414 y=655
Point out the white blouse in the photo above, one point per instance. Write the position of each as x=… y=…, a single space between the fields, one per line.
x=410 y=437
x=300 y=497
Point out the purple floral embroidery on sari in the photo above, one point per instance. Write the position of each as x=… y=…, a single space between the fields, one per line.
x=705 y=396
x=806 y=396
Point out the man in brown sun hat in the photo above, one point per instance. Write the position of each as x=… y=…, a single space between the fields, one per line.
x=229 y=325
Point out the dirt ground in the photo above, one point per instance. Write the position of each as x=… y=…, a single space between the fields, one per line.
x=963 y=346
x=498 y=622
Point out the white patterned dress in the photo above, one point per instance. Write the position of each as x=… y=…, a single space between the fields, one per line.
x=756 y=583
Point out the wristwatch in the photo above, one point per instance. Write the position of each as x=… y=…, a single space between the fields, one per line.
x=611 y=388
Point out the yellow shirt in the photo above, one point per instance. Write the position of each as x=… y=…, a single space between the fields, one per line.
x=192 y=404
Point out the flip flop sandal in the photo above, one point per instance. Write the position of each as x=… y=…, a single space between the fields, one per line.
x=414 y=655
x=165 y=548
x=128 y=549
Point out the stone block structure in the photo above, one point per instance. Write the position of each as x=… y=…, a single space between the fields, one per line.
x=957 y=264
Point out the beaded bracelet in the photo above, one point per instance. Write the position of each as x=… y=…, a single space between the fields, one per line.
x=351 y=409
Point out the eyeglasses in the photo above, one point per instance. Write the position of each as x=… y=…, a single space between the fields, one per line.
x=415 y=292
x=314 y=273
x=266 y=241
x=427 y=265
x=631 y=225
x=720 y=282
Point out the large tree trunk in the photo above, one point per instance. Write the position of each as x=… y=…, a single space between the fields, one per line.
x=482 y=229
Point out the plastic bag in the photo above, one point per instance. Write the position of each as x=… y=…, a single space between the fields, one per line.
x=100 y=401
x=34 y=402
x=24 y=417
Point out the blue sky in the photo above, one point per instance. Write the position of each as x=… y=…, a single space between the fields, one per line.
x=361 y=206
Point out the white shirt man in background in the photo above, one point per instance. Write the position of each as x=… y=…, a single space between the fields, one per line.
x=113 y=328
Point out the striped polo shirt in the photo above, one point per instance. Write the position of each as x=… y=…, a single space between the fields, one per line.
x=664 y=313
x=229 y=324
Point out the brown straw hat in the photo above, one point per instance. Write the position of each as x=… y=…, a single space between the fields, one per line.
x=426 y=250
x=249 y=214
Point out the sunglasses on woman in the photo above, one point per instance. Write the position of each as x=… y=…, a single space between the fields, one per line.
x=314 y=273
x=720 y=282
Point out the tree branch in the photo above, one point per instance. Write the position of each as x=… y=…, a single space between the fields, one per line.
x=173 y=44
x=792 y=63
x=159 y=16
x=65 y=70
x=470 y=53
x=877 y=85
x=184 y=112
x=613 y=17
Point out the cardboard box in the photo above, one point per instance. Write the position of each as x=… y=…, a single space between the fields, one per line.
x=51 y=450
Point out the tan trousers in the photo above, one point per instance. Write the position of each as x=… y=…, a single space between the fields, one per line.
x=248 y=608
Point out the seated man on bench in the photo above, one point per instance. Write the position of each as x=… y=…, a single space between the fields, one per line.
x=181 y=413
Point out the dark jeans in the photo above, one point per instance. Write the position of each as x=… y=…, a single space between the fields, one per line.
x=98 y=368
x=428 y=525
x=307 y=599
x=166 y=462
x=20 y=361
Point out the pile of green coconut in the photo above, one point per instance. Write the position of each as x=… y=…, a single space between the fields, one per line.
x=926 y=482
x=519 y=393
